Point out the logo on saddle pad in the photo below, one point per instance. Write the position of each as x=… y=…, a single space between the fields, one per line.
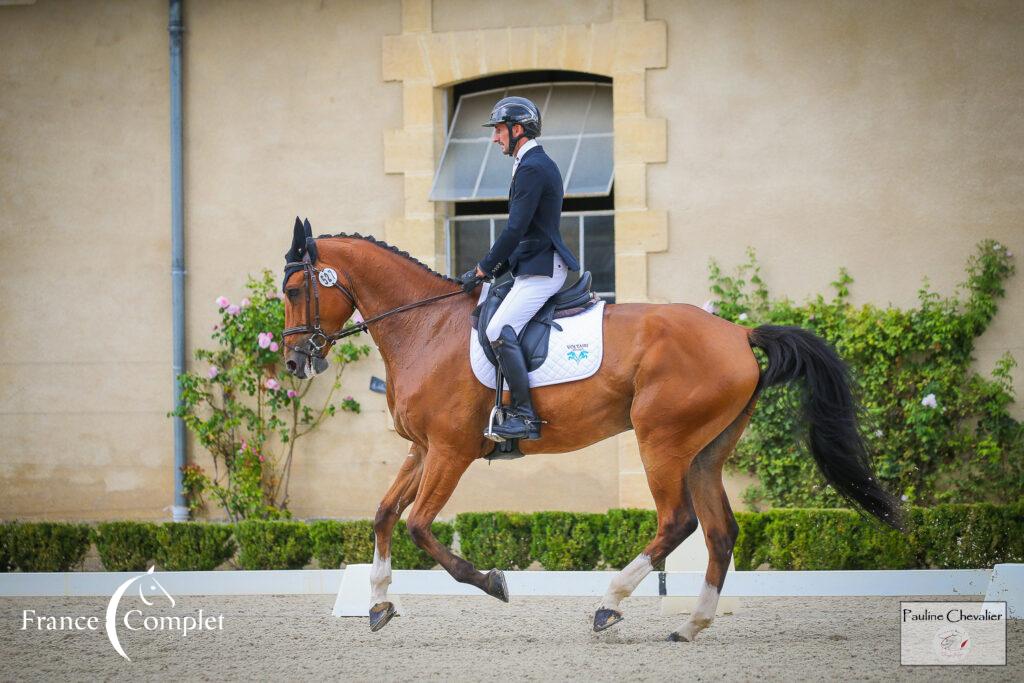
x=577 y=352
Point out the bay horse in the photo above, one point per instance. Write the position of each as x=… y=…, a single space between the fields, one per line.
x=683 y=379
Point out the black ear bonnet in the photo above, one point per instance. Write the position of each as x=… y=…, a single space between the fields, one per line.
x=303 y=245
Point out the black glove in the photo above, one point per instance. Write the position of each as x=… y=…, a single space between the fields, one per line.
x=470 y=280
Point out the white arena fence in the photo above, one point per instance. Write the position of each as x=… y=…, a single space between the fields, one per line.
x=351 y=585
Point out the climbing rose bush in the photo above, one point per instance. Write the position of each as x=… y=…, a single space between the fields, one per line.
x=247 y=412
x=939 y=431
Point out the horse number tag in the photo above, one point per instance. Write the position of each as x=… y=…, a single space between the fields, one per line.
x=328 y=277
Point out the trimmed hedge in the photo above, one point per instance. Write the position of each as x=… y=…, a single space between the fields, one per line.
x=327 y=537
x=495 y=540
x=627 y=533
x=352 y=542
x=940 y=537
x=6 y=546
x=273 y=544
x=194 y=546
x=567 y=540
x=981 y=535
x=48 y=546
x=945 y=536
x=126 y=546
x=819 y=539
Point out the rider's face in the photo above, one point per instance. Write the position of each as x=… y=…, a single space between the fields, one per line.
x=500 y=136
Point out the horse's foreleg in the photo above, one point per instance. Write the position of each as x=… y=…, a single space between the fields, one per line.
x=441 y=474
x=398 y=497
x=676 y=521
x=719 y=524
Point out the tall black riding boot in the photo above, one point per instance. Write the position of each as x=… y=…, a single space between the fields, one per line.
x=521 y=422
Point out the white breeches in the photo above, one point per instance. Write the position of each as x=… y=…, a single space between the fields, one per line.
x=528 y=294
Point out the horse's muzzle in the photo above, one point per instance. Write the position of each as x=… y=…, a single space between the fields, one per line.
x=304 y=364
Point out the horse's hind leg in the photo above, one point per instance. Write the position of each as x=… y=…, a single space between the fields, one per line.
x=676 y=521
x=398 y=497
x=716 y=518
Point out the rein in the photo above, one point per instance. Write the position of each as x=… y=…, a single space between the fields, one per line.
x=329 y=278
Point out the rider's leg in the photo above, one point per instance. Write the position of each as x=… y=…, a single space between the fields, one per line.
x=526 y=297
x=522 y=421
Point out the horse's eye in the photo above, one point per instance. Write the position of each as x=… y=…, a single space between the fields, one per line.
x=292 y=293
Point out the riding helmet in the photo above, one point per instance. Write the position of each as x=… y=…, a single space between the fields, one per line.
x=512 y=110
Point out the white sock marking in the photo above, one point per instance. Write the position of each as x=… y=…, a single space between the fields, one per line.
x=625 y=582
x=703 y=614
x=380 y=578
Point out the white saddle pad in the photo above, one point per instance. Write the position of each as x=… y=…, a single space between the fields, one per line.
x=574 y=353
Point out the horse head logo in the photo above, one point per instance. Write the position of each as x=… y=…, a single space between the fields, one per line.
x=577 y=356
x=148 y=586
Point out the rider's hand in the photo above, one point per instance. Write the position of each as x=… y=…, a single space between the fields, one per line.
x=470 y=279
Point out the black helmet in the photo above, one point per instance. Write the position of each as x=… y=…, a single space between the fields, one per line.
x=513 y=110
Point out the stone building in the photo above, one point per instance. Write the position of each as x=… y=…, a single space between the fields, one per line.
x=884 y=135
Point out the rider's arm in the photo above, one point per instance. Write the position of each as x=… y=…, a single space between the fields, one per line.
x=529 y=187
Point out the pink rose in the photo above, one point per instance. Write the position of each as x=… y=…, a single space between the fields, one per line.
x=292 y=393
x=272 y=384
x=274 y=347
x=222 y=302
x=212 y=372
x=245 y=303
x=233 y=309
x=264 y=339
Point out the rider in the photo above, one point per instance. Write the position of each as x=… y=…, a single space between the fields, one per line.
x=530 y=246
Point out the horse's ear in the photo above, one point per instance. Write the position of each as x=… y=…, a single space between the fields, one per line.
x=298 y=243
x=310 y=242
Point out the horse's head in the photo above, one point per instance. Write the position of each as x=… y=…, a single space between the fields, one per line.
x=316 y=305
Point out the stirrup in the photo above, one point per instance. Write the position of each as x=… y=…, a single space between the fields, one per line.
x=489 y=432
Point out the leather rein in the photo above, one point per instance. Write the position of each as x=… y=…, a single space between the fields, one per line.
x=328 y=277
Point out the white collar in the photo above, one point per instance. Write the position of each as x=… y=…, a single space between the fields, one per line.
x=530 y=144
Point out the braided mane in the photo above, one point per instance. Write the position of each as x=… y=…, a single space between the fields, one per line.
x=395 y=250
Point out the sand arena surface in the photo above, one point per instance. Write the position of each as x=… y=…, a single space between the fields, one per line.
x=479 y=639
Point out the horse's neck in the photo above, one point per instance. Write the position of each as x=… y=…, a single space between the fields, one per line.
x=384 y=281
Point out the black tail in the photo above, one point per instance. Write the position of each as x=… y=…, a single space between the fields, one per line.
x=829 y=408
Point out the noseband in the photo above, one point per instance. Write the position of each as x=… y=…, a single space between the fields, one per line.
x=328 y=277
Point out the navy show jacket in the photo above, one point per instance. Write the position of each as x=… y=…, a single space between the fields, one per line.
x=532 y=235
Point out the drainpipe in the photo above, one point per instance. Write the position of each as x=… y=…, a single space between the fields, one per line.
x=175 y=28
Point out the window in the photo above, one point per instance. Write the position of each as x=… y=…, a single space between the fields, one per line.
x=588 y=234
x=577 y=135
x=474 y=175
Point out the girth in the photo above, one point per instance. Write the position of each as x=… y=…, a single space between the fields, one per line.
x=535 y=335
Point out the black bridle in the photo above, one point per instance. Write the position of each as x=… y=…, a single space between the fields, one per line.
x=318 y=339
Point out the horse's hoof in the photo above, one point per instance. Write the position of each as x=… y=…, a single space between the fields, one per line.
x=380 y=615
x=496 y=586
x=675 y=637
x=606 y=618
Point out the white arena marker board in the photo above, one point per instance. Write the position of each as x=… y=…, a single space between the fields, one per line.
x=906 y=582
x=1008 y=585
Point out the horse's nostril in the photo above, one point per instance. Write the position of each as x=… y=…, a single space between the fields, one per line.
x=292 y=366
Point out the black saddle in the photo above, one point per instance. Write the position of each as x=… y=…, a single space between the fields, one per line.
x=534 y=337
